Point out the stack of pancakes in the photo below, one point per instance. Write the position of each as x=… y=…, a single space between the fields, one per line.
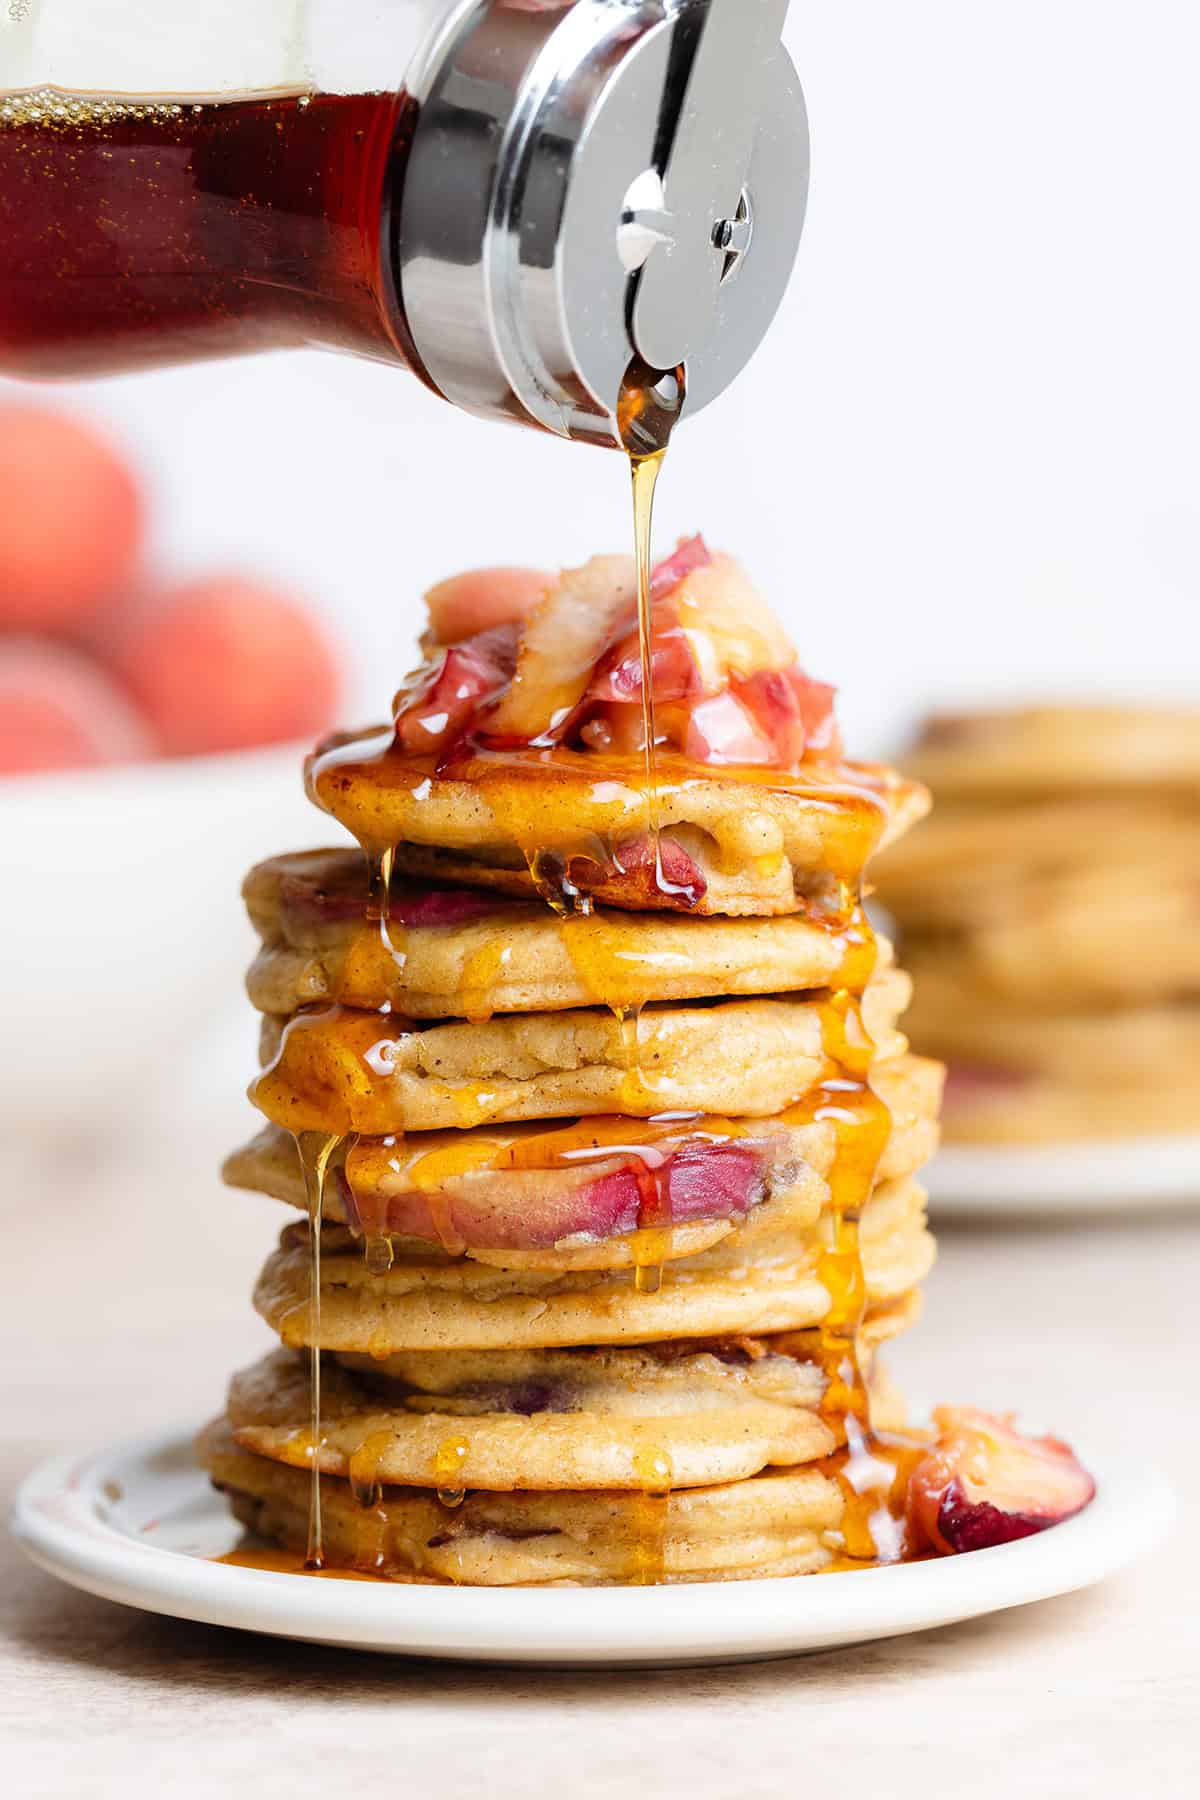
x=1048 y=915
x=611 y=1201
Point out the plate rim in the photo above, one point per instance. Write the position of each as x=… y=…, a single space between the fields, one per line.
x=54 y=1519
x=1098 y=1176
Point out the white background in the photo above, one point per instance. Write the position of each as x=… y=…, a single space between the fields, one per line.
x=965 y=464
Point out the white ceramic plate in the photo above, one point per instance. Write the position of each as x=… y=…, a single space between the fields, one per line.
x=136 y=1523
x=1065 y=1178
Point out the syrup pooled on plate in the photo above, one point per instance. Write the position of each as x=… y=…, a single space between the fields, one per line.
x=289 y=1562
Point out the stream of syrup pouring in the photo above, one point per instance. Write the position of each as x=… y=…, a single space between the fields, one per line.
x=871 y=1469
x=650 y=406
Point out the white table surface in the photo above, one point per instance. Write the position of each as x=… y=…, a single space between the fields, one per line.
x=126 y=1305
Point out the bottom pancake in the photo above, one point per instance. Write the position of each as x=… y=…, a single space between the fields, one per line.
x=778 y=1524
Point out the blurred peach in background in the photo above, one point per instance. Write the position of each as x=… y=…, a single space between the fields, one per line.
x=151 y=736
x=102 y=660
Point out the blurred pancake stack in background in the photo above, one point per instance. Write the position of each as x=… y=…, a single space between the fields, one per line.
x=1048 y=914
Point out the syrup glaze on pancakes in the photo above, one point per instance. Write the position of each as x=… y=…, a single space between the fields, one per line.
x=525 y=759
x=649 y=406
x=731 y=728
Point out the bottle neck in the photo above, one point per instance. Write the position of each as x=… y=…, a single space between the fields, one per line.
x=141 y=233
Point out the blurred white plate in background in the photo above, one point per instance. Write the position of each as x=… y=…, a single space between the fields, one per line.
x=138 y=1522
x=125 y=933
x=1100 y=1177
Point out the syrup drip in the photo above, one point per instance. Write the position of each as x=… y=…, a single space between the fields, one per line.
x=549 y=870
x=633 y=1086
x=650 y=1251
x=377 y=1249
x=365 y=1464
x=867 y=1469
x=315 y=1151
x=377 y=961
x=448 y=1464
x=645 y=471
x=654 y=1474
x=480 y=975
x=652 y=1239
x=380 y=934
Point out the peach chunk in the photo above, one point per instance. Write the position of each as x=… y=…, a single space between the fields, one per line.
x=70 y=520
x=227 y=664
x=464 y=605
x=732 y=629
x=59 y=711
x=985 y=1483
x=440 y=700
x=560 y=646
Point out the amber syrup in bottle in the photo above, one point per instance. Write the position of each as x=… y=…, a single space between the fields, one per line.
x=139 y=231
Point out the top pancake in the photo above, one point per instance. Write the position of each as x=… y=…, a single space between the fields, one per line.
x=572 y=825
x=458 y=953
x=1048 y=749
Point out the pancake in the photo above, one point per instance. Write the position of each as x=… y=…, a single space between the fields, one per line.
x=573 y=1196
x=340 y=1071
x=466 y=954
x=1111 y=938
x=973 y=864
x=541 y=1419
x=1048 y=917
x=987 y=756
x=1130 y=1047
x=571 y=825
x=1132 y=1073
x=775 y=1524
x=989 y=1105
x=761 y=1280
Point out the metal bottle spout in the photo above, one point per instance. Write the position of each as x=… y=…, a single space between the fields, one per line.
x=622 y=179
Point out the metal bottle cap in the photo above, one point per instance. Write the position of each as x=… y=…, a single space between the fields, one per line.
x=619 y=178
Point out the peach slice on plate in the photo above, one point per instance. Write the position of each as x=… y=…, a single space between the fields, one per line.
x=985 y=1483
